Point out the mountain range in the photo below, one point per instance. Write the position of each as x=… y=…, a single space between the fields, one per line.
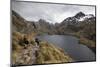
x=81 y=25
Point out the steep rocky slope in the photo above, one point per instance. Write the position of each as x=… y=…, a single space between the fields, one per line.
x=21 y=25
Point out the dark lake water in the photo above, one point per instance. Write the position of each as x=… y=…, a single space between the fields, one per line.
x=70 y=45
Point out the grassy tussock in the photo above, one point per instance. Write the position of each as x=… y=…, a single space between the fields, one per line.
x=16 y=38
x=18 y=45
x=87 y=42
x=83 y=40
x=48 y=53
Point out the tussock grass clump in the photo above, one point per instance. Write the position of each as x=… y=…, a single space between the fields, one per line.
x=84 y=40
x=18 y=45
x=16 y=38
x=48 y=53
x=87 y=42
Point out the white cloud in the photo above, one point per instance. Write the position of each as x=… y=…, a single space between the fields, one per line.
x=32 y=11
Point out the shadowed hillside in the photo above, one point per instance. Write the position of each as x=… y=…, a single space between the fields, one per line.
x=21 y=25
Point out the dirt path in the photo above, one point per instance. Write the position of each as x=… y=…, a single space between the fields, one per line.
x=28 y=55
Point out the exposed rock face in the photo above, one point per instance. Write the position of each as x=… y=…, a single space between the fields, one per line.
x=78 y=19
x=79 y=15
x=27 y=56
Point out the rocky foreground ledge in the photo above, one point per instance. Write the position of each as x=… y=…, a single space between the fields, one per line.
x=29 y=52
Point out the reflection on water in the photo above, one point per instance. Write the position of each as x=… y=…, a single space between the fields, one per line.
x=70 y=45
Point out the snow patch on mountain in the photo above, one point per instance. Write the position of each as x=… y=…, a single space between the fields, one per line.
x=85 y=17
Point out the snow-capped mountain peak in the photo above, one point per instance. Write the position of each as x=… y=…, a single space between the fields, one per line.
x=79 y=17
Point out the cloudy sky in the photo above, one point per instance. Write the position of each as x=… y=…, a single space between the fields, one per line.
x=53 y=13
